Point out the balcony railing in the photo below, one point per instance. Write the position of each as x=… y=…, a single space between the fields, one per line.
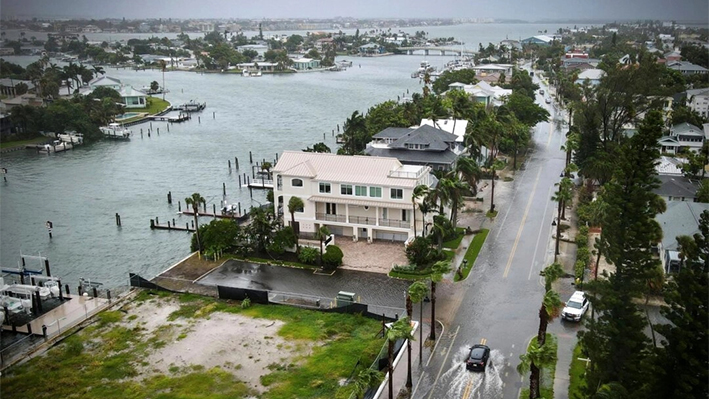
x=331 y=218
x=363 y=220
x=394 y=223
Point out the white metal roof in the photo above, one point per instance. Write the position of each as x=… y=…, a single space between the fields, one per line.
x=347 y=169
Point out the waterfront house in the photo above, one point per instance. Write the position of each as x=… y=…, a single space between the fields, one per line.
x=370 y=49
x=268 y=67
x=680 y=218
x=361 y=197
x=494 y=68
x=105 y=81
x=8 y=87
x=133 y=98
x=540 y=40
x=423 y=145
x=682 y=137
x=304 y=64
x=482 y=92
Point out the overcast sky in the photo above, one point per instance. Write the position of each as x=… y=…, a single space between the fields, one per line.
x=681 y=10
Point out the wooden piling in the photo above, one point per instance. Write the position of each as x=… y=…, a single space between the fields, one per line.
x=229 y=164
x=224 y=188
x=199 y=119
x=179 y=207
x=236 y=163
x=214 y=211
x=251 y=158
x=169 y=197
x=214 y=115
x=239 y=208
x=118 y=219
x=239 y=181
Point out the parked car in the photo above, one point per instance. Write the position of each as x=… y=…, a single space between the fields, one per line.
x=541 y=92
x=478 y=357
x=575 y=307
x=548 y=100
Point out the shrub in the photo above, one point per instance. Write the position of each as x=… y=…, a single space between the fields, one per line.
x=583 y=255
x=419 y=251
x=246 y=303
x=579 y=269
x=332 y=257
x=308 y=255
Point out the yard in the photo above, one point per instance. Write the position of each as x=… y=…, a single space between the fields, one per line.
x=165 y=346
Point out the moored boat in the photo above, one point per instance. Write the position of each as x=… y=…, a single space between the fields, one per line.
x=116 y=131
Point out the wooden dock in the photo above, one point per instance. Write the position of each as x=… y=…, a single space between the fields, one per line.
x=172 y=119
x=259 y=183
x=233 y=216
x=168 y=226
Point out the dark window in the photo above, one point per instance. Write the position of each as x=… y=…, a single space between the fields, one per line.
x=296 y=183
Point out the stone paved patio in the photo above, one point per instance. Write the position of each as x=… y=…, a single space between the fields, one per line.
x=377 y=257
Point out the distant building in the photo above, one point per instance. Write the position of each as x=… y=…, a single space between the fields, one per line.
x=482 y=92
x=687 y=68
x=698 y=101
x=303 y=64
x=371 y=49
x=682 y=137
x=593 y=76
x=541 y=40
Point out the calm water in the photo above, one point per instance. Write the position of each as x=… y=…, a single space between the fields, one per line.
x=81 y=190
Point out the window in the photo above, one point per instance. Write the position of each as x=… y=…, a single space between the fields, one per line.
x=325 y=188
x=397 y=193
x=346 y=189
x=375 y=192
x=331 y=209
x=279 y=182
x=404 y=215
x=361 y=191
x=296 y=183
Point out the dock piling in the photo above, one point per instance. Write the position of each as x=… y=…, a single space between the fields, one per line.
x=168 y=225
x=229 y=164
x=158 y=129
x=214 y=211
x=118 y=219
x=173 y=222
x=323 y=137
x=236 y=163
x=66 y=286
x=187 y=226
x=168 y=128
x=169 y=197
x=179 y=207
x=224 y=188
x=239 y=208
x=199 y=119
x=251 y=158
x=151 y=125
x=239 y=181
x=214 y=115
x=156 y=220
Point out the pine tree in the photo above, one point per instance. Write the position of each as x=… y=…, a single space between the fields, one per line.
x=615 y=341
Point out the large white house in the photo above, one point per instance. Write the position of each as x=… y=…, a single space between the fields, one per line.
x=683 y=137
x=698 y=101
x=354 y=196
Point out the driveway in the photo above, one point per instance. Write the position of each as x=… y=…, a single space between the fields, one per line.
x=377 y=257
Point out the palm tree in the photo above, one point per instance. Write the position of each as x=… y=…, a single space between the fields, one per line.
x=415 y=294
x=426 y=207
x=439 y=229
x=400 y=329
x=536 y=356
x=469 y=172
x=419 y=191
x=294 y=205
x=437 y=271
x=321 y=233
x=452 y=191
x=561 y=196
x=194 y=201
x=366 y=379
x=267 y=166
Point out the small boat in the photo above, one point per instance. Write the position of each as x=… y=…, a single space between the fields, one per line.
x=116 y=131
x=191 y=106
x=13 y=305
x=424 y=68
x=245 y=72
x=256 y=74
x=71 y=137
x=53 y=287
x=27 y=289
x=56 y=146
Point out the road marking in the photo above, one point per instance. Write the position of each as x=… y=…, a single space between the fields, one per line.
x=483 y=341
x=521 y=226
x=468 y=388
x=539 y=235
x=433 y=386
x=499 y=229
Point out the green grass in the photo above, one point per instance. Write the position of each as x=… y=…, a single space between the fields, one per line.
x=22 y=143
x=472 y=253
x=155 y=105
x=577 y=374
x=491 y=214
x=104 y=359
x=454 y=243
x=547 y=374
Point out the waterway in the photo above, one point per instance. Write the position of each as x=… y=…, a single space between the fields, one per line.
x=80 y=191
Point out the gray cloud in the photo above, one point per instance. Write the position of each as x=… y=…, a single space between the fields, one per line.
x=681 y=10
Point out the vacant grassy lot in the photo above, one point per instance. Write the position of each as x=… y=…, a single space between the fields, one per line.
x=186 y=346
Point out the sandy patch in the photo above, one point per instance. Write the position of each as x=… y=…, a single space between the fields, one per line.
x=239 y=344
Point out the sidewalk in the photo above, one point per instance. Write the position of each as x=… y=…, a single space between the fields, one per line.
x=417 y=361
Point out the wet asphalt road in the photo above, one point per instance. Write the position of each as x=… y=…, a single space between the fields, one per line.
x=499 y=302
x=382 y=293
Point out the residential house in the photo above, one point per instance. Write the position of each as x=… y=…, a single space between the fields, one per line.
x=25 y=99
x=458 y=127
x=698 y=101
x=353 y=196
x=669 y=166
x=541 y=40
x=579 y=63
x=268 y=67
x=259 y=48
x=677 y=188
x=423 y=145
x=680 y=219
x=672 y=56
x=371 y=49
x=494 y=68
x=324 y=43
x=683 y=137
x=482 y=92
x=593 y=76
x=303 y=64
x=8 y=86
x=687 y=68
x=105 y=81
x=133 y=98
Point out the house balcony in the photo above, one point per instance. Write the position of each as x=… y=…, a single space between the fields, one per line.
x=363 y=220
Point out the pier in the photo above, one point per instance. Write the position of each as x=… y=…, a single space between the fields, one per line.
x=182 y=117
x=234 y=216
x=440 y=50
x=155 y=226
